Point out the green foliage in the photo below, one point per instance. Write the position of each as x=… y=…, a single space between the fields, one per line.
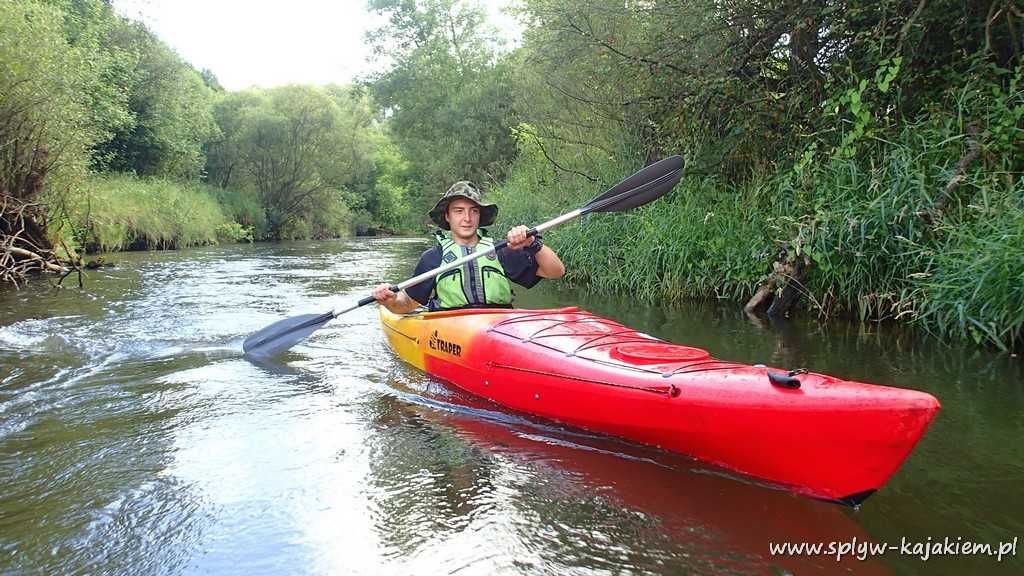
x=170 y=105
x=233 y=232
x=241 y=207
x=742 y=85
x=536 y=190
x=48 y=115
x=860 y=220
x=331 y=219
x=82 y=90
x=997 y=95
x=87 y=26
x=118 y=212
x=392 y=182
x=974 y=287
x=859 y=135
x=882 y=140
x=448 y=96
x=295 y=148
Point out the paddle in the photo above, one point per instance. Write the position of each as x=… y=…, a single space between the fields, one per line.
x=645 y=186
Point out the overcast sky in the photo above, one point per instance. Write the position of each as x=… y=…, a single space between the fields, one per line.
x=250 y=43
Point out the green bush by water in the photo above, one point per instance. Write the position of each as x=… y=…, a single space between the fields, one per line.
x=243 y=209
x=115 y=212
x=121 y=212
x=862 y=222
x=974 y=287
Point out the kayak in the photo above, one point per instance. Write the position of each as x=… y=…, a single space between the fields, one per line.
x=809 y=433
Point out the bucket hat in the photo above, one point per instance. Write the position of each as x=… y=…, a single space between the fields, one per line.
x=468 y=190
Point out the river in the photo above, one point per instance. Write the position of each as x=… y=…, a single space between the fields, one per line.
x=135 y=438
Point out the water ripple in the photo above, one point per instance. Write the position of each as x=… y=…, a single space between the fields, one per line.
x=134 y=438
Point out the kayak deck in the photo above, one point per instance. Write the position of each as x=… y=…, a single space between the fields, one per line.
x=811 y=433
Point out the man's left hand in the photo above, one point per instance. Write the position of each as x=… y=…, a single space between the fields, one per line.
x=517 y=238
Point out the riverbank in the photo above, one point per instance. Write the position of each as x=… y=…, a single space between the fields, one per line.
x=117 y=212
x=908 y=234
x=874 y=252
x=121 y=212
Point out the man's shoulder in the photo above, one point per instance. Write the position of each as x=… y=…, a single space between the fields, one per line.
x=431 y=253
x=431 y=258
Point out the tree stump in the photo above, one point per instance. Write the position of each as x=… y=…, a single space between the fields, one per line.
x=780 y=291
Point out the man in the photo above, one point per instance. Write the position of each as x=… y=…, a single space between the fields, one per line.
x=484 y=282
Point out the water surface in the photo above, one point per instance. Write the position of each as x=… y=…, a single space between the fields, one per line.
x=134 y=438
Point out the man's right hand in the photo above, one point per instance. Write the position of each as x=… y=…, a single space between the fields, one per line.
x=382 y=293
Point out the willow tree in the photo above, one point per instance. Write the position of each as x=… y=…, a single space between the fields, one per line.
x=298 y=149
x=448 y=94
x=54 y=107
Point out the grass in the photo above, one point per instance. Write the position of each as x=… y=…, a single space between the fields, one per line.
x=862 y=222
x=121 y=212
x=114 y=212
x=974 y=287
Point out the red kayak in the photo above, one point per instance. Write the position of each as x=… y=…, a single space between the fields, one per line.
x=811 y=433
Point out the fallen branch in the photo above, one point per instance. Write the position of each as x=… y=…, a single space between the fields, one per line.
x=76 y=266
x=556 y=164
x=24 y=247
x=26 y=254
x=973 y=150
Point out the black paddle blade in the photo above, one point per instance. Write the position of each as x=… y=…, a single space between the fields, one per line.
x=645 y=186
x=284 y=334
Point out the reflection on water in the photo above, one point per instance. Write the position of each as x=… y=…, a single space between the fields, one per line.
x=575 y=497
x=134 y=438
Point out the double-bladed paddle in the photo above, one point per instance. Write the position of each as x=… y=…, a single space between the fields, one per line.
x=645 y=186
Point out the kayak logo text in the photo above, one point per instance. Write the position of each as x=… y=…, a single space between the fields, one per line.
x=444 y=345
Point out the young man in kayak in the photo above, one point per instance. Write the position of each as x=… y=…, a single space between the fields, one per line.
x=484 y=282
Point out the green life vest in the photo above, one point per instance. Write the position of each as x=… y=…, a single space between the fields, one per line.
x=481 y=282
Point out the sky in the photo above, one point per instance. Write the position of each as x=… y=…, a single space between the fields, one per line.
x=266 y=44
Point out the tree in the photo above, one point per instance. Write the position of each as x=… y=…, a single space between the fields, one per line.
x=170 y=104
x=50 y=117
x=295 y=147
x=448 y=96
x=731 y=82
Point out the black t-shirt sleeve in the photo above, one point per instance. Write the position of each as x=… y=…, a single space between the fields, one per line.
x=421 y=292
x=520 y=267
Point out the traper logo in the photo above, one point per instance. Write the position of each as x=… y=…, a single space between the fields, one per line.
x=444 y=345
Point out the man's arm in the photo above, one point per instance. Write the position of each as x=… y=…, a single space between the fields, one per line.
x=549 y=265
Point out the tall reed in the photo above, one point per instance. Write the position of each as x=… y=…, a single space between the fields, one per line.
x=119 y=211
x=878 y=247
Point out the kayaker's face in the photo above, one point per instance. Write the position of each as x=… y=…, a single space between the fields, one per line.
x=463 y=217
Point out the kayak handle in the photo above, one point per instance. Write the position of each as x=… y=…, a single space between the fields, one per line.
x=784 y=380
